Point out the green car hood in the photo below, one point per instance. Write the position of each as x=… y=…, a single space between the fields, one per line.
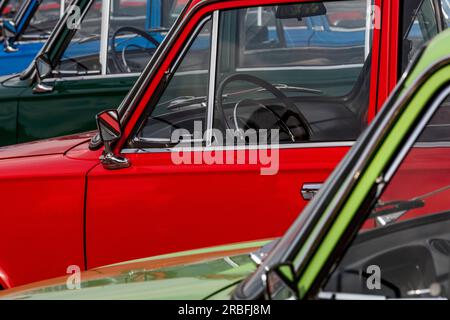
x=197 y=274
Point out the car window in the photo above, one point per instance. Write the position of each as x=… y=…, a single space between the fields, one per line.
x=403 y=248
x=171 y=10
x=128 y=48
x=183 y=102
x=446 y=11
x=419 y=26
x=45 y=19
x=314 y=72
x=135 y=32
x=82 y=55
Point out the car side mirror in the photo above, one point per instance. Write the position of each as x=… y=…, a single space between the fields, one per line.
x=300 y=11
x=280 y=283
x=110 y=131
x=43 y=70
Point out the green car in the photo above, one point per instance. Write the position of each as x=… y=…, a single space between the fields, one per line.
x=378 y=229
x=88 y=64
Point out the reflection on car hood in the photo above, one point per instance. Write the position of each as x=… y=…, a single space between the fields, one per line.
x=44 y=147
x=195 y=274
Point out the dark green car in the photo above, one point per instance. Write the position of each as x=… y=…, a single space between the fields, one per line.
x=378 y=229
x=89 y=63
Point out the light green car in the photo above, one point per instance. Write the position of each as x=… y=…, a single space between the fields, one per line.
x=378 y=229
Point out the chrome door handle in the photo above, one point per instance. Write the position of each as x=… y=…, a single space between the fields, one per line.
x=309 y=190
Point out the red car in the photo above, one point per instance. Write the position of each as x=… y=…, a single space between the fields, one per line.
x=241 y=66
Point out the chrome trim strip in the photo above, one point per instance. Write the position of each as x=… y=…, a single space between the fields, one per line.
x=212 y=77
x=106 y=10
x=313 y=145
x=431 y=144
x=335 y=67
x=62 y=7
x=84 y=77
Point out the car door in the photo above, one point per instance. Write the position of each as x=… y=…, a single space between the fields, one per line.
x=174 y=199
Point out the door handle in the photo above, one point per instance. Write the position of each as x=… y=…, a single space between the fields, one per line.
x=309 y=190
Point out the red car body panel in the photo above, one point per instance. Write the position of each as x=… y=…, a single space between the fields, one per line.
x=42 y=217
x=216 y=206
x=45 y=147
x=61 y=207
x=421 y=174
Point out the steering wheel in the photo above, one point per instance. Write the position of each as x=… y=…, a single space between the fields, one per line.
x=121 y=63
x=292 y=110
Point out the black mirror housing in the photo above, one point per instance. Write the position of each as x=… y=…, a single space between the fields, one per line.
x=109 y=127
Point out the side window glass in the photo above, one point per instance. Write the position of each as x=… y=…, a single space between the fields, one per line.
x=44 y=20
x=130 y=46
x=301 y=69
x=419 y=26
x=446 y=11
x=82 y=56
x=258 y=22
x=403 y=249
x=135 y=32
x=183 y=102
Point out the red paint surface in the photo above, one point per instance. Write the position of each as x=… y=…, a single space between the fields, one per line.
x=154 y=206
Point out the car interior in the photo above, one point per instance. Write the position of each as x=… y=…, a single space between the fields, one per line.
x=283 y=87
x=413 y=255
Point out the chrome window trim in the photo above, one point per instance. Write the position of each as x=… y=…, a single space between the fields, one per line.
x=311 y=145
x=188 y=44
x=104 y=35
x=331 y=67
x=98 y=76
x=212 y=76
